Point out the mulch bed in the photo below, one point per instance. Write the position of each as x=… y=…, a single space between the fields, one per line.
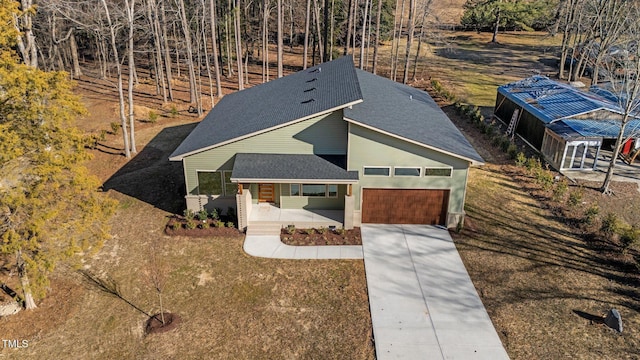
x=177 y=226
x=321 y=236
x=154 y=324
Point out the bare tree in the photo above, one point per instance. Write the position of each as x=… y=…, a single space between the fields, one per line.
x=624 y=84
x=410 y=32
x=26 y=41
x=114 y=48
x=130 y=9
x=364 y=33
x=307 y=23
x=237 y=34
x=377 y=38
x=279 y=35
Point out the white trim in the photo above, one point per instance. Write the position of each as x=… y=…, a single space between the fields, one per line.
x=450 y=168
x=328 y=111
x=364 y=167
x=408 y=167
x=473 y=162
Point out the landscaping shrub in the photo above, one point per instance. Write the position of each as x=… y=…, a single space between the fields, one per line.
x=218 y=224
x=575 y=198
x=203 y=225
x=533 y=164
x=230 y=224
x=215 y=215
x=202 y=215
x=560 y=190
x=311 y=231
x=521 y=159
x=505 y=143
x=153 y=117
x=512 y=151
x=114 y=127
x=611 y=225
x=188 y=214
x=544 y=178
x=591 y=214
x=629 y=236
x=174 y=111
x=190 y=224
x=291 y=229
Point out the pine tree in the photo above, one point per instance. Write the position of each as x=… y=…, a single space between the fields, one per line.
x=50 y=208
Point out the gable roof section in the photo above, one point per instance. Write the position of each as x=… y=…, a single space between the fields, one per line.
x=316 y=90
x=409 y=114
x=551 y=101
x=284 y=168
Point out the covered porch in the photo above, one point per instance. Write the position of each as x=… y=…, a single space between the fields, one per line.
x=304 y=190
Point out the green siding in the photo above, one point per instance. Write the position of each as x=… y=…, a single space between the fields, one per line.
x=305 y=202
x=371 y=148
x=325 y=134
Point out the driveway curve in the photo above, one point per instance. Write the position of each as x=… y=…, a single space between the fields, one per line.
x=423 y=303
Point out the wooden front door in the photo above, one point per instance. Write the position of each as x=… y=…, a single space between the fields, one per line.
x=266 y=193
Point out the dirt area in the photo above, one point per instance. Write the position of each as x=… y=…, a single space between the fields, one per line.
x=320 y=237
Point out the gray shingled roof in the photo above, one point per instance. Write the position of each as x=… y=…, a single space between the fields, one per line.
x=247 y=167
x=409 y=113
x=315 y=90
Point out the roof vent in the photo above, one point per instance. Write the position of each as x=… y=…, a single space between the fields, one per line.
x=308 y=101
x=312 y=80
x=317 y=70
x=310 y=89
x=410 y=97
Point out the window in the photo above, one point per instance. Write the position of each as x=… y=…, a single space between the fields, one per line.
x=332 y=191
x=437 y=172
x=209 y=183
x=229 y=188
x=377 y=171
x=406 y=171
x=295 y=189
x=314 y=190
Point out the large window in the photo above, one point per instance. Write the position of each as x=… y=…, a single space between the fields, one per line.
x=209 y=183
x=314 y=190
x=216 y=183
x=406 y=171
x=377 y=170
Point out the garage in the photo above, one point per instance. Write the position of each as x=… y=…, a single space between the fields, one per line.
x=405 y=206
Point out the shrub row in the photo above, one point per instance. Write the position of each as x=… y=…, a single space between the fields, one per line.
x=491 y=130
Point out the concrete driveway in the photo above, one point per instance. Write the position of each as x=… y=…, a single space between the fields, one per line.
x=423 y=303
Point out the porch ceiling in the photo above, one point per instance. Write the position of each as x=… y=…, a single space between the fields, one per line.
x=287 y=168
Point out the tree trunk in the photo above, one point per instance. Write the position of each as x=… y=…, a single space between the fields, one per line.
x=236 y=20
x=377 y=39
x=77 y=71
x=395 y=56
x=193 y=91
x=203 y=34
x=280 y=45
x=333 y=6
x=167 y=55
x=349 y=21
x=415 y=62
x=114 y=48
x=411 y=26
x=494 y=38
x=155 y=30
x=325 y=28
x=265 y=41
x=616 y=151
x=363 y=34
x=307 y=23
x=29 y=303
x=130 y=8
x=26 y=41
x=316 y=11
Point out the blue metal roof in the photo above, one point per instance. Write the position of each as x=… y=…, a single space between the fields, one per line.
x=550 y=100
x=602 y=128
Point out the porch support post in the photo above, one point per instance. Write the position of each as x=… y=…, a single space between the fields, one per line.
x=349 y=207
x=240 y=188
x=349 y=189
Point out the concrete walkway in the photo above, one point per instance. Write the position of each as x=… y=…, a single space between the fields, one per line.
x=423 y=303
x=270 y=246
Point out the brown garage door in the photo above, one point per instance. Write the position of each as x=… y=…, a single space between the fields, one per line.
x=405 y=206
